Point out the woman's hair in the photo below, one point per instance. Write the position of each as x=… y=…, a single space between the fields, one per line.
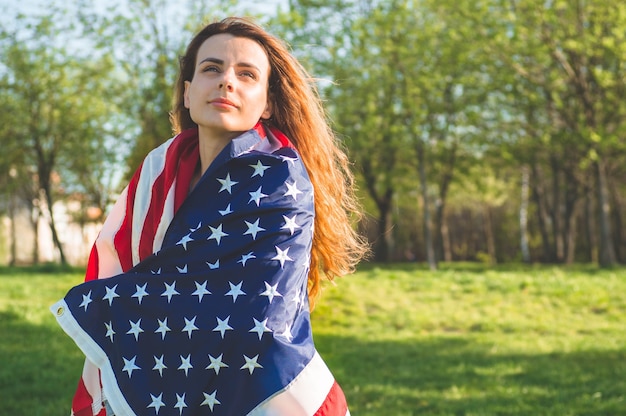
x=297 y=111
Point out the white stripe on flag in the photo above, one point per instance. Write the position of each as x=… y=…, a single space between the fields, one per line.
x=96 y=355
x=165 y=220
x=108 y=260
x=152 y=167
x=303 y=396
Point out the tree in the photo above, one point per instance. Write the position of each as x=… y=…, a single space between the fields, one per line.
x=570 y=51
x=146 y=39
x=60 y=109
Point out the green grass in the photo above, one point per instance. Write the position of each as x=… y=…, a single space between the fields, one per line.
x=401 y=340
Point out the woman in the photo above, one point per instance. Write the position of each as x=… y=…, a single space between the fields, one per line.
x=199 y=285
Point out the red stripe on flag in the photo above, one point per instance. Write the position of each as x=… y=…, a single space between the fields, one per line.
x=284 y=140
x=180 y=163
x=189 y=157
x=335 y=403
x=123 y=237
x=92 y=265
x=81 y=404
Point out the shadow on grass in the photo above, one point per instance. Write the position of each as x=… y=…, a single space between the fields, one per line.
x=446 y=375
x=481 y=268
x=452 y=376
x=39 y=368
x=44 y=268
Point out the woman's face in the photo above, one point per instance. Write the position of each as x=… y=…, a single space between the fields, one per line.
x=228 y=93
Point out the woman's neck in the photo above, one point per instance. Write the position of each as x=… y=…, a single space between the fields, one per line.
x=209 y=146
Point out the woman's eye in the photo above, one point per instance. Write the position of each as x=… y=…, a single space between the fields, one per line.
x=248 y=74
x=210 y=68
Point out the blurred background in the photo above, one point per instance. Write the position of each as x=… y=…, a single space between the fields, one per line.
x=489 y=131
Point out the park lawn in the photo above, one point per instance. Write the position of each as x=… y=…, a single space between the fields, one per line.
x=401 y=340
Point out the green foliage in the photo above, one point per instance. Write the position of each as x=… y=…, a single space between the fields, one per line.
x=449 y=85
x=401 y=340
x=466 y=90
x=473 y=340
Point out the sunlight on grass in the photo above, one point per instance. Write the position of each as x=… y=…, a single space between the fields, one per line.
x=469 y=340
x=401 y=340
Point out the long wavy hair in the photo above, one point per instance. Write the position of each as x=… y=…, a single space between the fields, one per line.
x=298 y=112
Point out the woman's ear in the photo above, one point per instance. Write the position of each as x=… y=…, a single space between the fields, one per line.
x=269 y=108
x=186 y=95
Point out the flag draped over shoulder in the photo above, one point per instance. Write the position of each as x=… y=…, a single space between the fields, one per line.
x=196 y=302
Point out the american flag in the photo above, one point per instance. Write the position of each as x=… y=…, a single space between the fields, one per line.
x=206 y=311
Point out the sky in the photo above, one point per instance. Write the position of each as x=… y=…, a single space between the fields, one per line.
x=10 y=8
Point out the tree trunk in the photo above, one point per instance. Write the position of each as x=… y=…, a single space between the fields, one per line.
x=489 y=235
x=445 y=240
x=442 y=241
x=382 y=248
x=523 y=216
x=607 y=251
x=617 y=221
x=383 y=203
x=34 y=222
x=556 y=211
x=570 y=238
x=13 y=231
x=543 y=218
x=430 y=251
x=570 y=208
x=590 y=229
x=53 y=229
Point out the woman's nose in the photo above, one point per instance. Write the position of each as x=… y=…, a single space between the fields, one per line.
x=227 y=80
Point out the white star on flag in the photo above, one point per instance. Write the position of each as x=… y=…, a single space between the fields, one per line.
x=180 y=403
x=227 y=184
x=135 y=329
x=256 y=196
x=251 y=363
x=217 y=234
x=222 y=326
x=235 y=290
x=260 y=327
x=186 y=239
x=290 y=224
x=201 y=290
x=227 y=211
x=286 y=333
x=259 y=169
x=170 y=290
x=159 y=365
x=281 y=256
x=297 y=298
x=185 y=364
x=292 y=160
x=157 y=402
x=210 y=400
x=245 y=258
x=163 y=328
x=110 y=295
x=292 y=190
x=253 y=228
x=216 y=363
x=306 y=262
x=271 y=292
x=214 y=266
x=86 y=301
x=110 y=331
x=190 y=325
x=140 y=293
x=130 y=366
x=182 y=270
